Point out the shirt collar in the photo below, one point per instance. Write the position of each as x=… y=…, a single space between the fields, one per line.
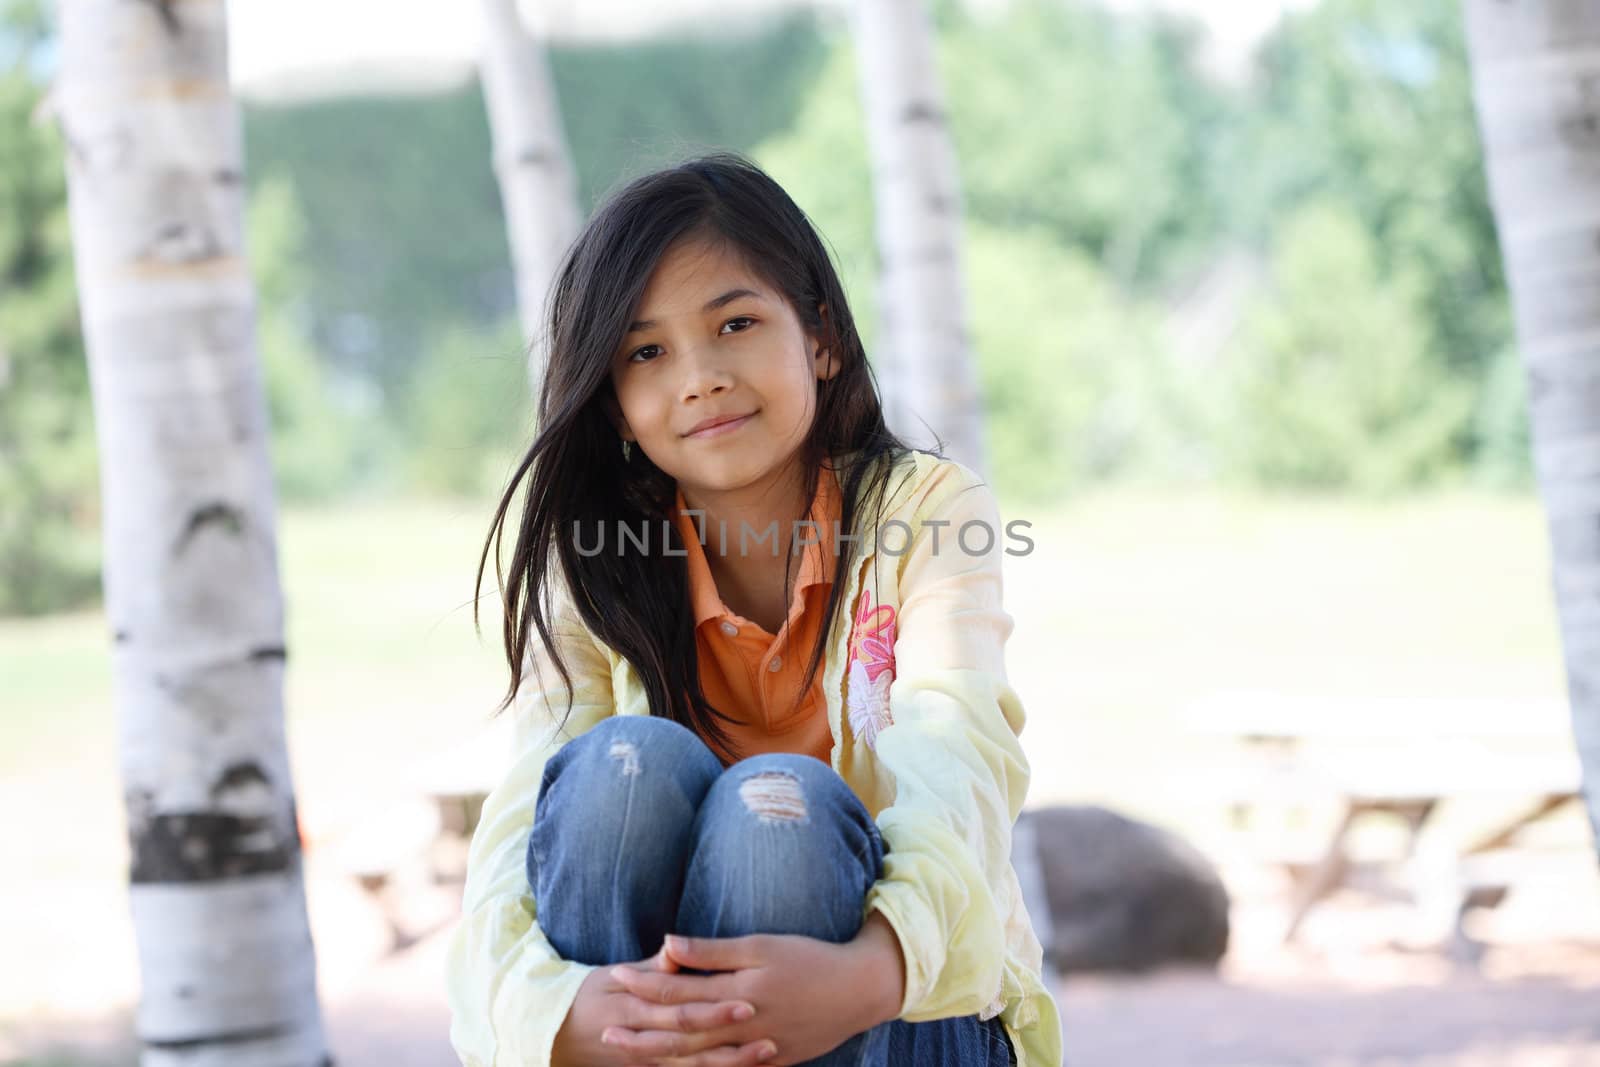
x=817 y=563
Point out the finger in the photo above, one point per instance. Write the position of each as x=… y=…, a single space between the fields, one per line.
x=652 y=1046
x=748 y=1055
x=715 y=953
x=663 y=961
x=662 y=988
x=697 y=1017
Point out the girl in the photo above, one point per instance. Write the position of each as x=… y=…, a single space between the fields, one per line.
x=760 y=810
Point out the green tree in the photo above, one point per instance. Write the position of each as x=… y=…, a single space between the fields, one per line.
x=49 y=486
x=468 y=412
x=1071 y=368
x=321 y=446
x=1334 y=380
x=1504 y=458
x=1370 y=104
x=1094 y=126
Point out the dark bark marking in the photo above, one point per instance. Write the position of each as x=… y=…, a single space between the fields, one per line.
x=238 y=775
x=231 y=518
x=204 y=846
x=200 y=846
x=169 y=17
x=232 y=1037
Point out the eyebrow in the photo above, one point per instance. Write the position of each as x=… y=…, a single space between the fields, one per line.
x=711 y=305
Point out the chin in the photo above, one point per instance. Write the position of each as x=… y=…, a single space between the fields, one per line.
x=739 y=467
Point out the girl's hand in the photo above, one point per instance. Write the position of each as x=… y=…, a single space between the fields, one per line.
x=810 y=996
x=604 y=1004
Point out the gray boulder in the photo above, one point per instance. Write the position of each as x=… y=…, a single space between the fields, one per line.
x=1122 y=895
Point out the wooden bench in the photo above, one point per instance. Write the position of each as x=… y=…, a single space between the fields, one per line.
x=386 y=848
x=1434 y=870
x=1400 y=760
x=458 y=780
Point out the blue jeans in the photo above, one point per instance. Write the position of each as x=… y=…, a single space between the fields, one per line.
x=640 y=832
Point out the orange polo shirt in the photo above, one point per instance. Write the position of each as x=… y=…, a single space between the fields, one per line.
x=745 y=671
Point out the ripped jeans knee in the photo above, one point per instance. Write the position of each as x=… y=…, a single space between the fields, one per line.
x=639 y=831
x=780 y=845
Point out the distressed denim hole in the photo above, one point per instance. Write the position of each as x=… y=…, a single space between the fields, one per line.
x=626 y=753
x=774 y=796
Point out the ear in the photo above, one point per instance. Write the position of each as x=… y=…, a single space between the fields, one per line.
x=826 y=362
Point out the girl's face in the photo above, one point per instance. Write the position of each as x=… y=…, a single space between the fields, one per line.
x=710 y=341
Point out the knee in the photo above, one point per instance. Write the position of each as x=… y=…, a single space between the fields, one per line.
x=781 y=845
x=628 y=774
x=781 y=787
x=641 y=749
x=798 y=809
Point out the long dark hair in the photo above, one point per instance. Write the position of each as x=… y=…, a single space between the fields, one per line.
x=577 y=476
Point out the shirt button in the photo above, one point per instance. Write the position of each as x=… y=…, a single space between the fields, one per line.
x=776 y=664
x=730 y=629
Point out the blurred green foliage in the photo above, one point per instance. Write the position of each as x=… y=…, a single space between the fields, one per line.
x=324 y=439
x=1288 y=281
x=49 y=489
x=1370 y=103
x=1336 y=367
x=1091 y=127
x=1504 y=459
x=1071 y=367
x=471 y=410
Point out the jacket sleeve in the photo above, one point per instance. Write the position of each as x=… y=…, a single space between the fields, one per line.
x=959 y=769
x=508 y=990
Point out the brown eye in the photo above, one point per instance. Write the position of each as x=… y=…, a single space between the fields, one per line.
x=745 y=320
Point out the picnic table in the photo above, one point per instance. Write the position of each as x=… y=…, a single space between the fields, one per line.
x=408 y=838
x=1402 y=759
x=457 y=780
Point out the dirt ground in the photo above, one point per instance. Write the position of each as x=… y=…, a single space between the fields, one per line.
x=1344 y=995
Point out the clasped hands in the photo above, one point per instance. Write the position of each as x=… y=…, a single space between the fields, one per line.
x=775 y=999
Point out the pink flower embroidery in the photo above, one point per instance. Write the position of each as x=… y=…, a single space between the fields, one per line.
x=869 y=703
x=871 y=669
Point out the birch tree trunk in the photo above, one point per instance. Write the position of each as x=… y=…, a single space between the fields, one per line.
x=924 y=348
x=532 y=164
x=1536 y=83
x=156 y=190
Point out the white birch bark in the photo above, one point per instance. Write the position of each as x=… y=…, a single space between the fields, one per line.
x=531 y=163
x=924 y=356
x=156 y=192
x=1535 y=68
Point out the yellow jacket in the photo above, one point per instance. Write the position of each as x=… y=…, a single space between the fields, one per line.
x=930 y=745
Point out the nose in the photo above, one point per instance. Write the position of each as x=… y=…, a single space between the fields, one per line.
x=705 y=372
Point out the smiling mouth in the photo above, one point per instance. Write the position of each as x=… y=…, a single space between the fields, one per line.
x=721 y=428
